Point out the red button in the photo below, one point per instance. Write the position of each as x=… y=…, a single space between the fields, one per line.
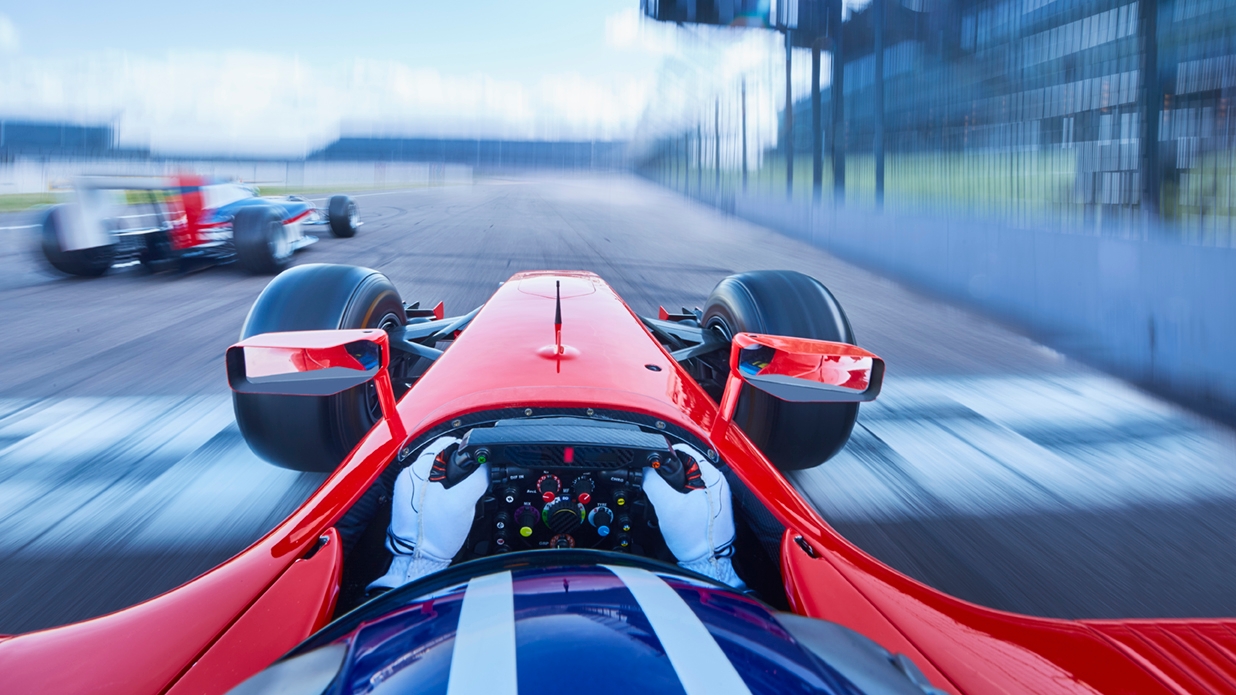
x=548 y=496
x=584 y=498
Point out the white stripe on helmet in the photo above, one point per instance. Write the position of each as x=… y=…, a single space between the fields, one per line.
x=483 y=659
x=702 y=668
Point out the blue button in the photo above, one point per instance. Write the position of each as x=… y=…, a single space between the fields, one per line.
x=602 y=531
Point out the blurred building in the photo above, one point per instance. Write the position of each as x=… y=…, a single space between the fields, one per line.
x=481 y=154
x=1050 y=88
x=28 y=138
x=1101 y=114
x=1049 y=105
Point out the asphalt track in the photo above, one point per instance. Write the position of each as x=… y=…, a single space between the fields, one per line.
x=991 y=468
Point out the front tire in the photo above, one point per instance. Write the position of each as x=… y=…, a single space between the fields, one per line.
x=262 y=244
x=343 y=215
x=794 y=436
x=87 y=263
x=309 y=433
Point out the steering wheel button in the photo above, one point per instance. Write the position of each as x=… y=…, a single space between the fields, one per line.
x=548 y=496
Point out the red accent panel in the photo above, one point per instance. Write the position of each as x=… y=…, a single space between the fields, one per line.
x=298 y=218
x=298 y=604
x=190 y=203
x=662 y=314
x=439 y=311
x=816 y=589
x=1196 y=655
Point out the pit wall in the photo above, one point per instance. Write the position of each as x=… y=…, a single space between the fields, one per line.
x=1159 y=313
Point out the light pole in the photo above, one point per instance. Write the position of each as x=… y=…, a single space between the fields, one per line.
x=744 y=134
x=789 y=115
x=837 y=90
x=877 y=9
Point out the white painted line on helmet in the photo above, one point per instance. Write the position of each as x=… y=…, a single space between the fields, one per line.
x=702 y=668
x=483 y=660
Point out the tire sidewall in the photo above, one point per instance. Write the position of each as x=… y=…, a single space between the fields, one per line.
x=256 y=232
x=793 y=436
x=339 y=214
x=88 y=262
x=315 y=433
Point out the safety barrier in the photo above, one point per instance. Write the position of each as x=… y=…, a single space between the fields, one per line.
x=1159 y=313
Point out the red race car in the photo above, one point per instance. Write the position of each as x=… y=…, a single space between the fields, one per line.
x=563 y=447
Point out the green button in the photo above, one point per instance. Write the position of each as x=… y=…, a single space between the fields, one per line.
x=525 y=531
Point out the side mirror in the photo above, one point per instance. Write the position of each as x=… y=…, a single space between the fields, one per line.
x=801 y=371
x=315 y=363
x=307 y=363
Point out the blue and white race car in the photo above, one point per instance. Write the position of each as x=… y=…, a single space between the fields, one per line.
x=163 y=222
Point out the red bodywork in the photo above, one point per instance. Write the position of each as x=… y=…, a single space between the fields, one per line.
x=188 y=202
x=214 y=631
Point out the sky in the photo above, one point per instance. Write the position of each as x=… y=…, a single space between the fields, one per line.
x=282 y=78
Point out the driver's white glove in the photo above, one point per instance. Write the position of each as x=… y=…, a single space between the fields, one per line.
x=429 y=523
x=698 y=526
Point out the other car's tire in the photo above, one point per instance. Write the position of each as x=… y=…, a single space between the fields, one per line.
x=155 y=253
x=309 y=433
x=89 y=263
x=343 y=215
x=262 y=244
x=793 y=436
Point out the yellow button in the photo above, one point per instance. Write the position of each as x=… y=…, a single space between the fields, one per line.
x=525 y=531
x=621 y=501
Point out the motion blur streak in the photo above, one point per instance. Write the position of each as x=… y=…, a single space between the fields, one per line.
x=137 y=493
x=992 y=467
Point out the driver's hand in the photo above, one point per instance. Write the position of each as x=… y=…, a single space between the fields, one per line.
x=698 y=526
x=429 y=523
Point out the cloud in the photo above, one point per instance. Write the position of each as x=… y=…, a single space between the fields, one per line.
x=628 y=29
x=255 y=103
x=9 y=41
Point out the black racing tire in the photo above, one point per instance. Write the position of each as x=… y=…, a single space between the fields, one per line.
x=87 y=263
x=794 y=436
x=343 y=215
x=156 y=253
x=262 y=245
x=311 y=433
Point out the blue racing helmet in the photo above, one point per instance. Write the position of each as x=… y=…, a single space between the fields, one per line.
x=581 y=621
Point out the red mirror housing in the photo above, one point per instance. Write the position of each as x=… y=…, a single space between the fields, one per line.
x=315 y=363
x=801 y=370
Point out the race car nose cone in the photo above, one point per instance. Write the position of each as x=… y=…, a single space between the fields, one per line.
x=564 y=285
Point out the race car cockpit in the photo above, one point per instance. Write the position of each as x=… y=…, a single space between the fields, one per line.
x=588 y=480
